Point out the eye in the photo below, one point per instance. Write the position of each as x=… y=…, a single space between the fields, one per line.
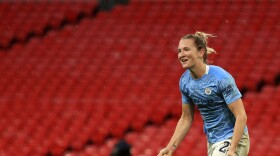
x=186 y=49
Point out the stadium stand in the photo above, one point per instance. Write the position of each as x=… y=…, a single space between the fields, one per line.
x=20 y=20
x=96 y=79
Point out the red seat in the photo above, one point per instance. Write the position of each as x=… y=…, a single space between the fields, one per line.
x=116 y=75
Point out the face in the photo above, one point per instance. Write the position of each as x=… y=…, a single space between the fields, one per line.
x=188 y=54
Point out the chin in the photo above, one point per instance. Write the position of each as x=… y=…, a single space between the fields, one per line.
x=185 y=67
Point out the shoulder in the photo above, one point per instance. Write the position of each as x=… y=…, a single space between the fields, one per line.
x=184 y=78
x=219 y=73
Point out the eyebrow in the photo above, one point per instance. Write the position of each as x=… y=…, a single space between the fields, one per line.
x=183 y=48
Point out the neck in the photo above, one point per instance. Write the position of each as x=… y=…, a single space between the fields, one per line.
x=198 y=71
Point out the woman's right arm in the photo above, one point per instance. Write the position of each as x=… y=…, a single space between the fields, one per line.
x=181 y=130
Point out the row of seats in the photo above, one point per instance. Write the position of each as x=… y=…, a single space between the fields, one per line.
x=119 y=72
x=19 y=19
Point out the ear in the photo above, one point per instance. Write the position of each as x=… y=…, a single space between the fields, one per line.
x=202 y=52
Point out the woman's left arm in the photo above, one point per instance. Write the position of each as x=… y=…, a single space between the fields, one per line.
x=238 y=110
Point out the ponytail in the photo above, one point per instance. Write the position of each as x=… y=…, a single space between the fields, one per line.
x=204 y=37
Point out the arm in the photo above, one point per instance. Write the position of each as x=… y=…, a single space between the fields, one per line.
x=238 y=110
x=181 y=130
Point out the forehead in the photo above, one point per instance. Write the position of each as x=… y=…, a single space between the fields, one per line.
x=186 y=43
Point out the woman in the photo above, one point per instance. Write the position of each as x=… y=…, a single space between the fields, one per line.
x=217 y=97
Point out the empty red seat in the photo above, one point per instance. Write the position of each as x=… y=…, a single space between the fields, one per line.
x=118 y=72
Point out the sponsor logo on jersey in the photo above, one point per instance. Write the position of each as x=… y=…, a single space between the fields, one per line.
x=227 y=91
x=201 y=101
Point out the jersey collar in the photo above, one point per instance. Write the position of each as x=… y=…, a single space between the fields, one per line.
x=207 y=69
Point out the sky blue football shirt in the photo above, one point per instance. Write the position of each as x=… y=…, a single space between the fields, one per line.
x=212 y=94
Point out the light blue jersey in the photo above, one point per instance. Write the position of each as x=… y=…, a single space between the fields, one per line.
x=212 y=93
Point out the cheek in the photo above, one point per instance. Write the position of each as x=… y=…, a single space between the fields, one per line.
x=194 y=54
x=189 y=55
x=179 y=55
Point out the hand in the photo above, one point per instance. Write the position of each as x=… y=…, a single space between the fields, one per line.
x=230 y=153
x=165 y=152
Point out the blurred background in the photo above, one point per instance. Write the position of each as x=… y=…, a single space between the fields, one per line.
x=78 y=76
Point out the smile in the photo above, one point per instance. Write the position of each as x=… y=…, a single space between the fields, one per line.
x=184 y=60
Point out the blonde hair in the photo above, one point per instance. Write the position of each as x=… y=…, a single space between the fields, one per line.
x=201 y=42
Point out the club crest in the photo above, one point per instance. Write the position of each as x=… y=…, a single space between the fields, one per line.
x=208 y=91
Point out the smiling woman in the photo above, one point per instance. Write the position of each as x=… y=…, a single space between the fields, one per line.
x=217 y=97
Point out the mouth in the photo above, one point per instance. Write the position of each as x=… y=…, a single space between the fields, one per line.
x=183 y=60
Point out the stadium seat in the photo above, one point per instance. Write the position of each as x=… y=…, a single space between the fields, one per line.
x=116 y=75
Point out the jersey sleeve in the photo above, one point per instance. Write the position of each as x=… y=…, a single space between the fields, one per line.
x=229 y=90
x=185 y=97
